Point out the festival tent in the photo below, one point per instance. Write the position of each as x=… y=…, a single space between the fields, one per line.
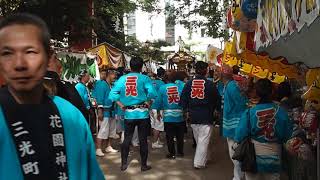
x=109 y=56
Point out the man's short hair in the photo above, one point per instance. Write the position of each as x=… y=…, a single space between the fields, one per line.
x=211 y=73
x=284 y=90
x=235 y=69
x=103 y=70
x=82 y=73
x=29 y=19
x=169 y=76
x=264 y=88
x=136 y=64
x=181 y=75
x=111 y=71
x=201 y=68
x=160 y=72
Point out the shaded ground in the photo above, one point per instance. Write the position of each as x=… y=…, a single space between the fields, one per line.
x=220 y=168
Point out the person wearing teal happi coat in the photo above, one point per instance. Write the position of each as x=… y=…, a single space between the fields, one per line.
x=41 y=136
x=156 y=124
x=168 y=101
x=82 y=88
x=269 y=127
x=106 y=118
x=234 y=104
x=133 y=93
x=80 y=146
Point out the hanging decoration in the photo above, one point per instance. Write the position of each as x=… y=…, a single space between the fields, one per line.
x=250 y=8
x=261 y=65
x=280 y=18
x=237 y=20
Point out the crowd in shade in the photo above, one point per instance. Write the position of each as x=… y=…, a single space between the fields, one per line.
x=48 y=126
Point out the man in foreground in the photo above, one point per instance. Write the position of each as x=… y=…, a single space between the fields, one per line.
x=41 y=137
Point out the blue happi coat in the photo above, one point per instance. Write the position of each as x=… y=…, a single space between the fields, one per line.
x=220 y=87
x=180 y=84
x=80 y=148
x=118 y=111
x=101 y=94
x=157 y=83
x=133 y=89
x=269 y=123
x=83 y=92
x=234 y=105
x=168 y=101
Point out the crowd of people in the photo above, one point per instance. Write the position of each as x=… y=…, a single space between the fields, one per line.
x=47 y=125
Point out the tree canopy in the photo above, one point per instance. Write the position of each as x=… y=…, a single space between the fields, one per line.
x=72 y=16
x=200 y=13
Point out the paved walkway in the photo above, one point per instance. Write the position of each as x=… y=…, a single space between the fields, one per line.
x=220 y=168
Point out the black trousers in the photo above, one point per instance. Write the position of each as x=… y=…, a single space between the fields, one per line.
x=172 y=130
x=129 y=126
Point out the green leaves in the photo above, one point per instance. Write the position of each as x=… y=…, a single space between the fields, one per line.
x=148 y=52
x=191 y=14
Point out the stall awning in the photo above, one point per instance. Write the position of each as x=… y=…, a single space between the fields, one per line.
x=261 y=66
x=109 y=56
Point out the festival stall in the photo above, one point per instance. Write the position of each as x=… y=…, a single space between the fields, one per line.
x=278 y=40
x=109 y=57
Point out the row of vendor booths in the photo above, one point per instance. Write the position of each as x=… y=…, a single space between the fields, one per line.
x=279 y=40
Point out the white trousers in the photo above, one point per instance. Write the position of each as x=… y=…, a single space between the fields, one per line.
x=107 y=129
x=202 y=134
x=155 y=123
x=119 y=123
x=262 y=176
x=237 y=173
